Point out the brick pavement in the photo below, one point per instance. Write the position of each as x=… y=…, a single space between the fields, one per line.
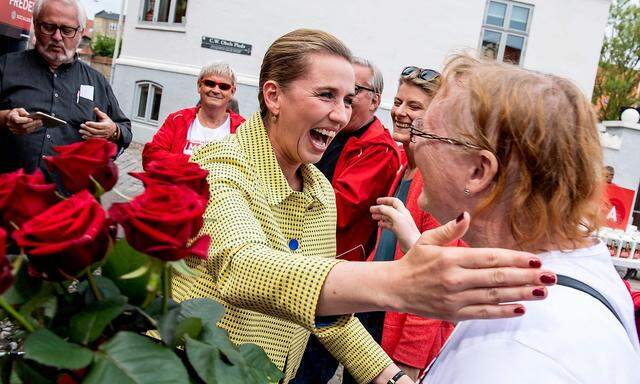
x=129 y=161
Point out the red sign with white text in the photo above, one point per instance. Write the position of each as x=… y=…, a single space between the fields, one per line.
x=17 y=13
x=618 y=206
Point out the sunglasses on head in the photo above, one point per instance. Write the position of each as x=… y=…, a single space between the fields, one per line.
x=212 y=84
x=425 y=74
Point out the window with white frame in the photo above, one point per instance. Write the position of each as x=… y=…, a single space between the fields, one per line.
x=171 y=12
x=505 y=30
x=148 y=96
x=113 y=26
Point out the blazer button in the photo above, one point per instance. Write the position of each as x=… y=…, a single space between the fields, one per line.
x=293 y=244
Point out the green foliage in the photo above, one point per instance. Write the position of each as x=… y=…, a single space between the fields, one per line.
x=618 y=73
x=47 y=348
x=122 y=260
x=101 y=324
x=129 y=358
x=103 y=45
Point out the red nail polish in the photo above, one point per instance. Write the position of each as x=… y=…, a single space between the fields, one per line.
x=548 y=279
x=538 y=292
x=535 y=263
x=519 y=310
x=460 y=217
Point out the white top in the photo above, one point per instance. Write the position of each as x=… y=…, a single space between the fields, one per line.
x=568 y=338
x=198 y=134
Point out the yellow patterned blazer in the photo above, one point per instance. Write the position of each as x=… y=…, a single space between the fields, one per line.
x=271 y=250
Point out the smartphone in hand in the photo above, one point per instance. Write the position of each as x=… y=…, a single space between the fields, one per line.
x=47 y=120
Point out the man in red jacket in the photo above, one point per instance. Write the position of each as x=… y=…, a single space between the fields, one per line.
x=361 y=163
x=185 y=130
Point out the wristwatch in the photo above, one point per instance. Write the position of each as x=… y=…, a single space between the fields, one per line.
x=116 y=134
x=396 y=377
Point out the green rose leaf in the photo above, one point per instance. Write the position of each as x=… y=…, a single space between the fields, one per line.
x=167 y=326
x=189 y=327
x=219 y=338
x=47 y=348
x=129 y=358
x=24 y=287
x=29 y=372
x=106 y=287
x=259 y=366
x=87 y=325
x=210 y=311
x=122 y=260
x=181 y=267
x=210 y=366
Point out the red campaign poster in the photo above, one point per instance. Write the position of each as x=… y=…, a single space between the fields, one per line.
x=17 y=13
x=618 y=206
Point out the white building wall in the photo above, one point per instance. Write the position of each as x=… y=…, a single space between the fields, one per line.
x=565 y=38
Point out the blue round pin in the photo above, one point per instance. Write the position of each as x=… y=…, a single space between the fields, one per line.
x=293 y=244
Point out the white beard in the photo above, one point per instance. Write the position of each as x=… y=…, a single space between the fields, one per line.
x=54 y=57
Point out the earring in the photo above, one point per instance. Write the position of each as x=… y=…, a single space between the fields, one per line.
x=274 y=118
x=466 y=191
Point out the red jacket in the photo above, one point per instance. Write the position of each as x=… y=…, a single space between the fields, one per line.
x=409 y=339
x=366 y=167
x=171 y=138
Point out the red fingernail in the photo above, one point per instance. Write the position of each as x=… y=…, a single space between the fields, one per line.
x=548 y=279
x=519 y=310
x=460 y=217
x=538 y=292
x=535 y=263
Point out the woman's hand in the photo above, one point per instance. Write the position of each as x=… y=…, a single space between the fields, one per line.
x=455 y=283
x=394 y=216
x=450 y=283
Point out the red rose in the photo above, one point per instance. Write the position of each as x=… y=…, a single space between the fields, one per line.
x=162 y=220
x=23 y=196
x=180 y=172
x=66 y=238
x=6 y=277
x=76 y=162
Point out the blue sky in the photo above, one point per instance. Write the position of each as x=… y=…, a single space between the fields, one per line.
x=94 y=6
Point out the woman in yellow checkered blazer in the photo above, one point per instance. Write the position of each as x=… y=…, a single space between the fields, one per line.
x=272 y=220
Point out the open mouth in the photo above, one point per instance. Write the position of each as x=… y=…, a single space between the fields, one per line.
x=321 y=137
x=401 y=125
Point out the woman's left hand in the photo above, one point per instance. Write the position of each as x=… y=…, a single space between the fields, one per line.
x=394 y=216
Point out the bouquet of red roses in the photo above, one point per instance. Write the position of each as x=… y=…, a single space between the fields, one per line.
x=81 y=326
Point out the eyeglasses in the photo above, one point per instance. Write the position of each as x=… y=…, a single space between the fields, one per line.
x=50 y=29
x=360 y=88
x=415 y=130
x=425 y=74
x=212 y=84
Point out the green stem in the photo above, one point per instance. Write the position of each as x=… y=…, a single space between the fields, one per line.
x=94 y=287
x=17 y=263
x=9 y=309
x=166 y=287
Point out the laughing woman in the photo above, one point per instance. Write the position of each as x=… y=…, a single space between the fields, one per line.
x=272 y=220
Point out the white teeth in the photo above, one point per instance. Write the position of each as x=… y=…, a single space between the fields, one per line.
x=403 y=125
x=325 y=132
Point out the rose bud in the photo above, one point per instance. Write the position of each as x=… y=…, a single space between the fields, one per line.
x=66 y=238
x=6 y=277
x=77 y=162
x=177 y=173
x=29 y=196
x=161 y=221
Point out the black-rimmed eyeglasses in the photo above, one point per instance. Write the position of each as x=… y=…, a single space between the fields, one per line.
x=360 y=88
x=50 y=29
x=416 y=130
x=425 y=74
